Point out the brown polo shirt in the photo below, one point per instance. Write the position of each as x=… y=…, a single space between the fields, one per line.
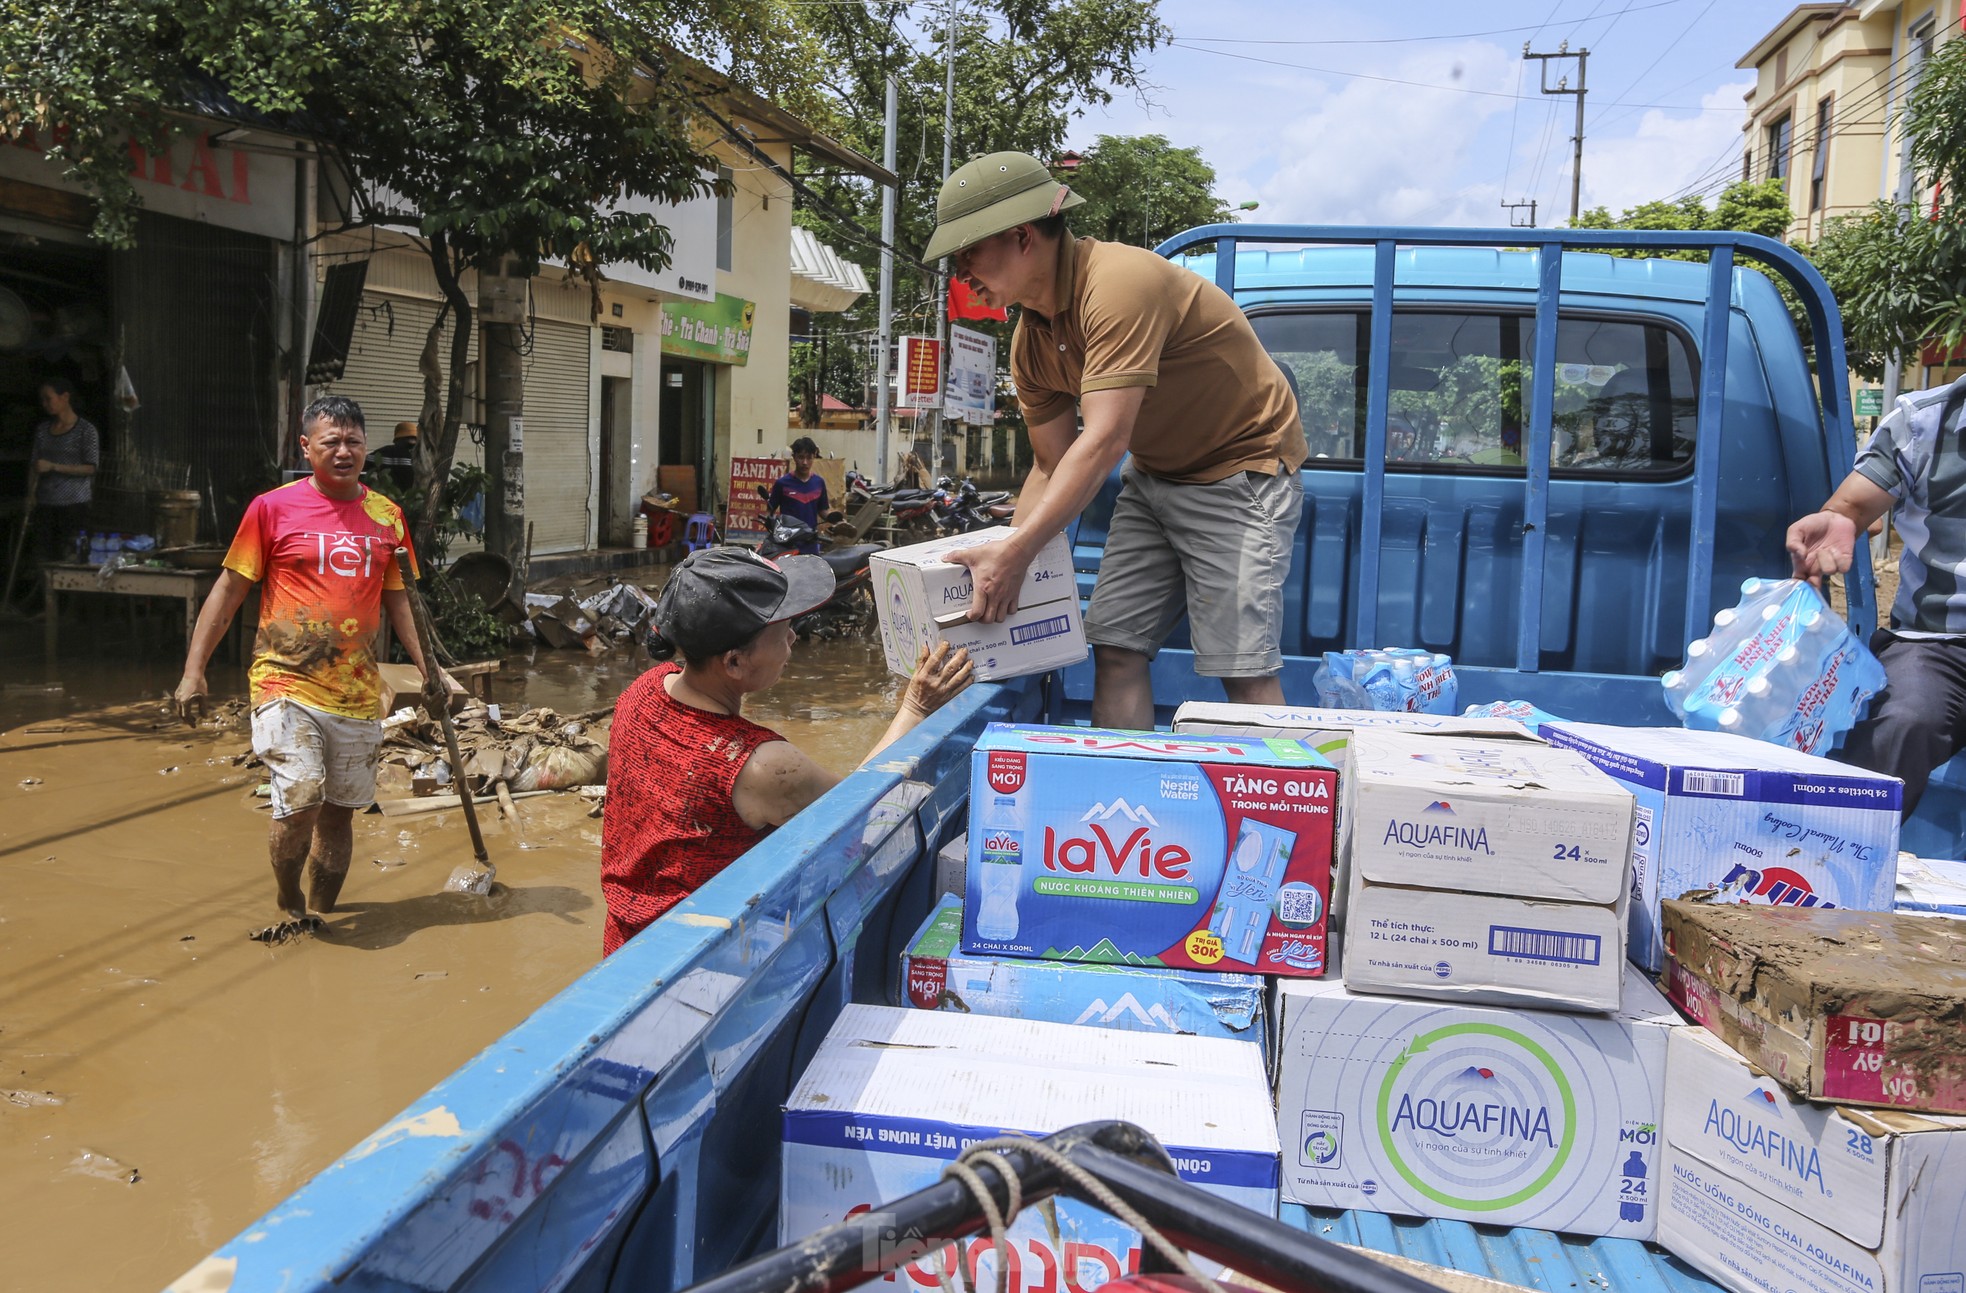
x=1218 y=403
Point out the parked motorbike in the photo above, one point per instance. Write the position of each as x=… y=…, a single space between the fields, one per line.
x=850 y=610
x=970 y=509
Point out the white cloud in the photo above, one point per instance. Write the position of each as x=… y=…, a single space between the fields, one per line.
x=1373 y=152
x=1660 y=156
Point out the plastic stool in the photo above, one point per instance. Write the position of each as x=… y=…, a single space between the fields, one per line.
x=698 y=532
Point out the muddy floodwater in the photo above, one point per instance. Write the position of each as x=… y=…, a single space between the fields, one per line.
x=164 y=1080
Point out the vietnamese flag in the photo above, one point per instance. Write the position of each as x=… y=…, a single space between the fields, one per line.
x=965 y=304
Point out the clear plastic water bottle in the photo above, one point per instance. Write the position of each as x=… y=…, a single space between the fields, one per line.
x=1000 y=877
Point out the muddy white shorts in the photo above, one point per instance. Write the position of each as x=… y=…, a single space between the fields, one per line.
x=315 y=757
x=1218 y=554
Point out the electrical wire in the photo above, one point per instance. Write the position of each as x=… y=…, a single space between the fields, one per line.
x=1465 y=35
x=1426 y=85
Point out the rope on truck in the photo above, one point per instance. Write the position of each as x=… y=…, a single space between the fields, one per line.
x=991 y=1152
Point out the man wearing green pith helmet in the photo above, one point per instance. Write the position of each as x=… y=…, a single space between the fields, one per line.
x=1160 y=363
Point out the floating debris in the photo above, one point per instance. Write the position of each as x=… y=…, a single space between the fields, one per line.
x=165 y=772
x=92 y=1162
x=432 y=974
x=32 y=1099
x=29 y=781
x=389 y=864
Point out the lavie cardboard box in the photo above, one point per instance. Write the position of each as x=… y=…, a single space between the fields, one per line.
x=938 y=975
x=1484 y=871
x=1865 y=1008
x=892 y=1096
x=923 y=598
x=1768 y=1193
x=1717 y=811
x=1140 y=848
x=1435 y=1109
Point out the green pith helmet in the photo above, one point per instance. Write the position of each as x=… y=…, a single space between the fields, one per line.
x=992 y=194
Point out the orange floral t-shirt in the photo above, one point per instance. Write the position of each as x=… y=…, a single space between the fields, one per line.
x=322 y=565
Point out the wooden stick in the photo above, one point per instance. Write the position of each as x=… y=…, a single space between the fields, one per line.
x=437 y=698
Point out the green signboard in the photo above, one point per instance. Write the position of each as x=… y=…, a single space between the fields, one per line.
x=719 y=330
x=1870 y=401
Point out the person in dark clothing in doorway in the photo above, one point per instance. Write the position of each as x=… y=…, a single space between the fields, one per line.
x=61 y=480
x=800 y=494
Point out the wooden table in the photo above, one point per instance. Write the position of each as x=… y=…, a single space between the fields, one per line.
x=189 y=586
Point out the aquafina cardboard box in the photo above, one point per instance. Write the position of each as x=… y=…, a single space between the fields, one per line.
x=1141 y=848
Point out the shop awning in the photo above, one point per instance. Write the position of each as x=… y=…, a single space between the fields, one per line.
x=821 y=281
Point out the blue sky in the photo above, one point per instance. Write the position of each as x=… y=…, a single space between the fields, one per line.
x=1406 y=111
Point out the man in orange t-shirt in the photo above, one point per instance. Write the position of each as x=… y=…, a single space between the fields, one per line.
x=323 y=551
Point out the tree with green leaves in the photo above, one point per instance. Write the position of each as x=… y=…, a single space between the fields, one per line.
x=1897 y=268
x=1747 y=206
x=499 y=136
x=1141 y=189
x=1025 y=70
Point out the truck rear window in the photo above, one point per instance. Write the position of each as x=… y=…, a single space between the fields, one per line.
x=1626 y=395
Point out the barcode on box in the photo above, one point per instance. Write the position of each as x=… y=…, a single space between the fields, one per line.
x=1544 y=945
x=1714 y=783
x=1040 y=630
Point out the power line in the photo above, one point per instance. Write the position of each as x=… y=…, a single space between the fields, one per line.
x=1636 y=80
x=1466 y=35
x=1427 y=85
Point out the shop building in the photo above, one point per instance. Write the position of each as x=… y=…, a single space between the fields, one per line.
x=200 y=313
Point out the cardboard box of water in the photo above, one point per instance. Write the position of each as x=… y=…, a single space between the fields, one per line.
x=1768 y=1193
x=1140 y=848
x=1766 y=823
x=1329 y=731
x=1483 y=870
x=923 y=598
x=892 y=1096
x=1479 y=1113
x=938 y=975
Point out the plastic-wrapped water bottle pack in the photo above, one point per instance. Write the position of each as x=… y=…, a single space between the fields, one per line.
x=1394 y=679
x=1780 y=666
x=1520 y=710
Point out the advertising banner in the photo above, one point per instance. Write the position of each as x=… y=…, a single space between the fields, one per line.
x=746 y=514
x=921 y=372
x=972 y=377
x=719 y=330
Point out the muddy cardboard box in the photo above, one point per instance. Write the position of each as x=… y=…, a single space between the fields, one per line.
x=923 y=598
x=892 y=1096
x=1864 y=1008
x=1769 y=1193
x=1722 y=811
x=1479 y=1113
x=937 y=975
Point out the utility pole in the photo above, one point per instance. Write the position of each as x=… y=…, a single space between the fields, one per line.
x=942 y=266
x=1562 y=86
x=502 y=301
x=1515 y=211
x=884 y=396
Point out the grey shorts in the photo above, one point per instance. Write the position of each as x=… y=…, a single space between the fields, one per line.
x=1218 y=553
x=313 y=757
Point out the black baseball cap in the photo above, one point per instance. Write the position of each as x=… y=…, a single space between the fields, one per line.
x=720 y=598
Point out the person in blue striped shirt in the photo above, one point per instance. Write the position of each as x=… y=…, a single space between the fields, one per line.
x=1914 y=468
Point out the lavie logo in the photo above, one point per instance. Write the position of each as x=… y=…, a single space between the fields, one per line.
x=1119 y=808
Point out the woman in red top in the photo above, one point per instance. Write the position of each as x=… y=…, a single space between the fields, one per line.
x=691 y=783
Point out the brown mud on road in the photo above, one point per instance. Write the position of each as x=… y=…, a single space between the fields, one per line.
x=143 y=1035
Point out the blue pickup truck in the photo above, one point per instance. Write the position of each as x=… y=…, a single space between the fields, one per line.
x=1552 y=454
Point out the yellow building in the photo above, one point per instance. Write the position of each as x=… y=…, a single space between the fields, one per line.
x=1825 y=114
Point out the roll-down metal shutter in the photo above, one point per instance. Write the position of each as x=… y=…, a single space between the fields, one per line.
x=559 y=469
